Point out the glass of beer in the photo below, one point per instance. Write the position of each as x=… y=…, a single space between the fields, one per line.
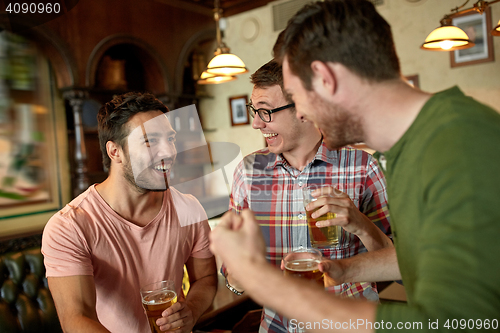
x=156 y=297
x=320 y=237
x=303 y=263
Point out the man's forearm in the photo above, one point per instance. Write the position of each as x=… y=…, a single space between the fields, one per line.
x=373 y=266
x=373 y=238
x=300 y=300
x=82 y=324
x=201 y=294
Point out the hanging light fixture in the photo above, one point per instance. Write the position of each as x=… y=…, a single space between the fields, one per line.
x=496 y=30
x=224 y=62
x=450 y=38
x=207 y=78
x=447 y=38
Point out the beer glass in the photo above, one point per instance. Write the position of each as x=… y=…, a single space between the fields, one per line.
x=156 y=297
x=303 y=263
x=320 y=237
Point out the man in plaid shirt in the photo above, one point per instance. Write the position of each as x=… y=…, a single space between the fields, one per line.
x=270 y=183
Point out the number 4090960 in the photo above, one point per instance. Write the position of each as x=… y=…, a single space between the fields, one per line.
x=33 y=8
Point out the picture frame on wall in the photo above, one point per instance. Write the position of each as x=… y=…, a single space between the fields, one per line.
x=238 y=109
x=413 y=80
x=477 y=26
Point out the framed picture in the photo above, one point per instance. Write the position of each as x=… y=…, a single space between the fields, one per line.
x=238 y=109
x=413 y=80
x=477 y=26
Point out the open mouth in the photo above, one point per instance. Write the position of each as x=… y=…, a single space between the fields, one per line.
x=162 y=166
x=270 y=137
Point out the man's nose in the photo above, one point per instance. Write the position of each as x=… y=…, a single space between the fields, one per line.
x=167 y=149
x=257 y=123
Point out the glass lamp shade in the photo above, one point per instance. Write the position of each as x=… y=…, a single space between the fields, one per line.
x=447 y=38
x=207 y=78
x=496 y=31
x=226 y=64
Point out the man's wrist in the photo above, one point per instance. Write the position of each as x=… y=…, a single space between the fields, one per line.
x=233 y=289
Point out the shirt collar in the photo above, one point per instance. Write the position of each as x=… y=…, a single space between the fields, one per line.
x=323 y=154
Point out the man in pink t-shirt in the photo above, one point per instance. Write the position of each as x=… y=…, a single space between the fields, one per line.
x=129 y=231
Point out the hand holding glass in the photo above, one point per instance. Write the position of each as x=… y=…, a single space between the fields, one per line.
x=320 y=237
x=303 y=263
x=156 y=298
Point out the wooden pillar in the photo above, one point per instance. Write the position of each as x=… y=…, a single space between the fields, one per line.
x=76 y=99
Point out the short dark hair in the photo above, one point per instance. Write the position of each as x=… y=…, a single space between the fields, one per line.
x=350 y=32
x=268 y=75
x=114 y=115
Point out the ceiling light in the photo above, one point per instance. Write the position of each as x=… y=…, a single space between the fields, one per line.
x=207 y=78
x=447 y=38
x=496 y=30
x=224 y=63
x=450 y=38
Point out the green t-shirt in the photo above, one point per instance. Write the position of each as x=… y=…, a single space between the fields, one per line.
x=443 y=183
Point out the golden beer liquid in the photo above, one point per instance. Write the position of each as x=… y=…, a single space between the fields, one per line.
x=322 y=237
x=155 y=303
x=306 y=269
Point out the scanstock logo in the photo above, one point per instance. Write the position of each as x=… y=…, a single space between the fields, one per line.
x=17 y=16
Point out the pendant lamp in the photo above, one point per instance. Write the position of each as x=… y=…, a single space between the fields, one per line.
x=449 y=37
x=207 y=78
x=496 y=30
x=224 y=62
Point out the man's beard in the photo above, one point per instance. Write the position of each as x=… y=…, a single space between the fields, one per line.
x=338 y=126
x=142 y=183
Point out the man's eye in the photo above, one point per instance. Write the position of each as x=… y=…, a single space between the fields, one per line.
x=150 y=141
x=171 y=139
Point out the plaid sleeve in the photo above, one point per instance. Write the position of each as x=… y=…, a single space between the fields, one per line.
x=239 y=198
x=374 y=201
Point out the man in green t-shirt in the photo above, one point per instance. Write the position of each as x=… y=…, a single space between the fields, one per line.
x=440 y=155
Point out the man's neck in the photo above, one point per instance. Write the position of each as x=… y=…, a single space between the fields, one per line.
x=304 y=154
x=388 y=110
x=135 y=206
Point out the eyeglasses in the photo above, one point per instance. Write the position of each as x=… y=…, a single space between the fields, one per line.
x=265 y=114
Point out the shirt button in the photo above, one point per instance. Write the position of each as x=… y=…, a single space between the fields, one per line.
x=301 y=183
x=383 y=161
x=301 y=216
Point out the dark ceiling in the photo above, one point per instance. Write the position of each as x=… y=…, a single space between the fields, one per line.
x=229 y=7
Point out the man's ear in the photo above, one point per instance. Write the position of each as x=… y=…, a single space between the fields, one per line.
x=114 y=151
x=324 y=81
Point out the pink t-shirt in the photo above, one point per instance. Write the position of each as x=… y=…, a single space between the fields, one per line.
x=88 y=238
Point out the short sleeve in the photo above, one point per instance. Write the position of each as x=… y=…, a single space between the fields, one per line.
x=374 y=202
x=65 y=252
x=201 y=244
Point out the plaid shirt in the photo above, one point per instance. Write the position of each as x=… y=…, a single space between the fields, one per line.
x=268 y=185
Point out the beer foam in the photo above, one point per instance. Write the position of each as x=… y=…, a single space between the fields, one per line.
x=159 y=297
x=302 y=265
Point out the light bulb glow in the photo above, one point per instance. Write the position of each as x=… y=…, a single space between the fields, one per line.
x=207 y=78
x=446 y=44
x=447 y=38
x=226 y=64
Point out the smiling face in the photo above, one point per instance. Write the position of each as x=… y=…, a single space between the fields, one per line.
x=338 y=126
x=282 y=134
x=150 y=150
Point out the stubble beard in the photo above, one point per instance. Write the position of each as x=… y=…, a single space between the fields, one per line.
x=140 y=185
x=339 y=127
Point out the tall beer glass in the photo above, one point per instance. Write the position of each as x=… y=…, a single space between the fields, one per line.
x=303 y=263
x=320 y=237
x=156 y=297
